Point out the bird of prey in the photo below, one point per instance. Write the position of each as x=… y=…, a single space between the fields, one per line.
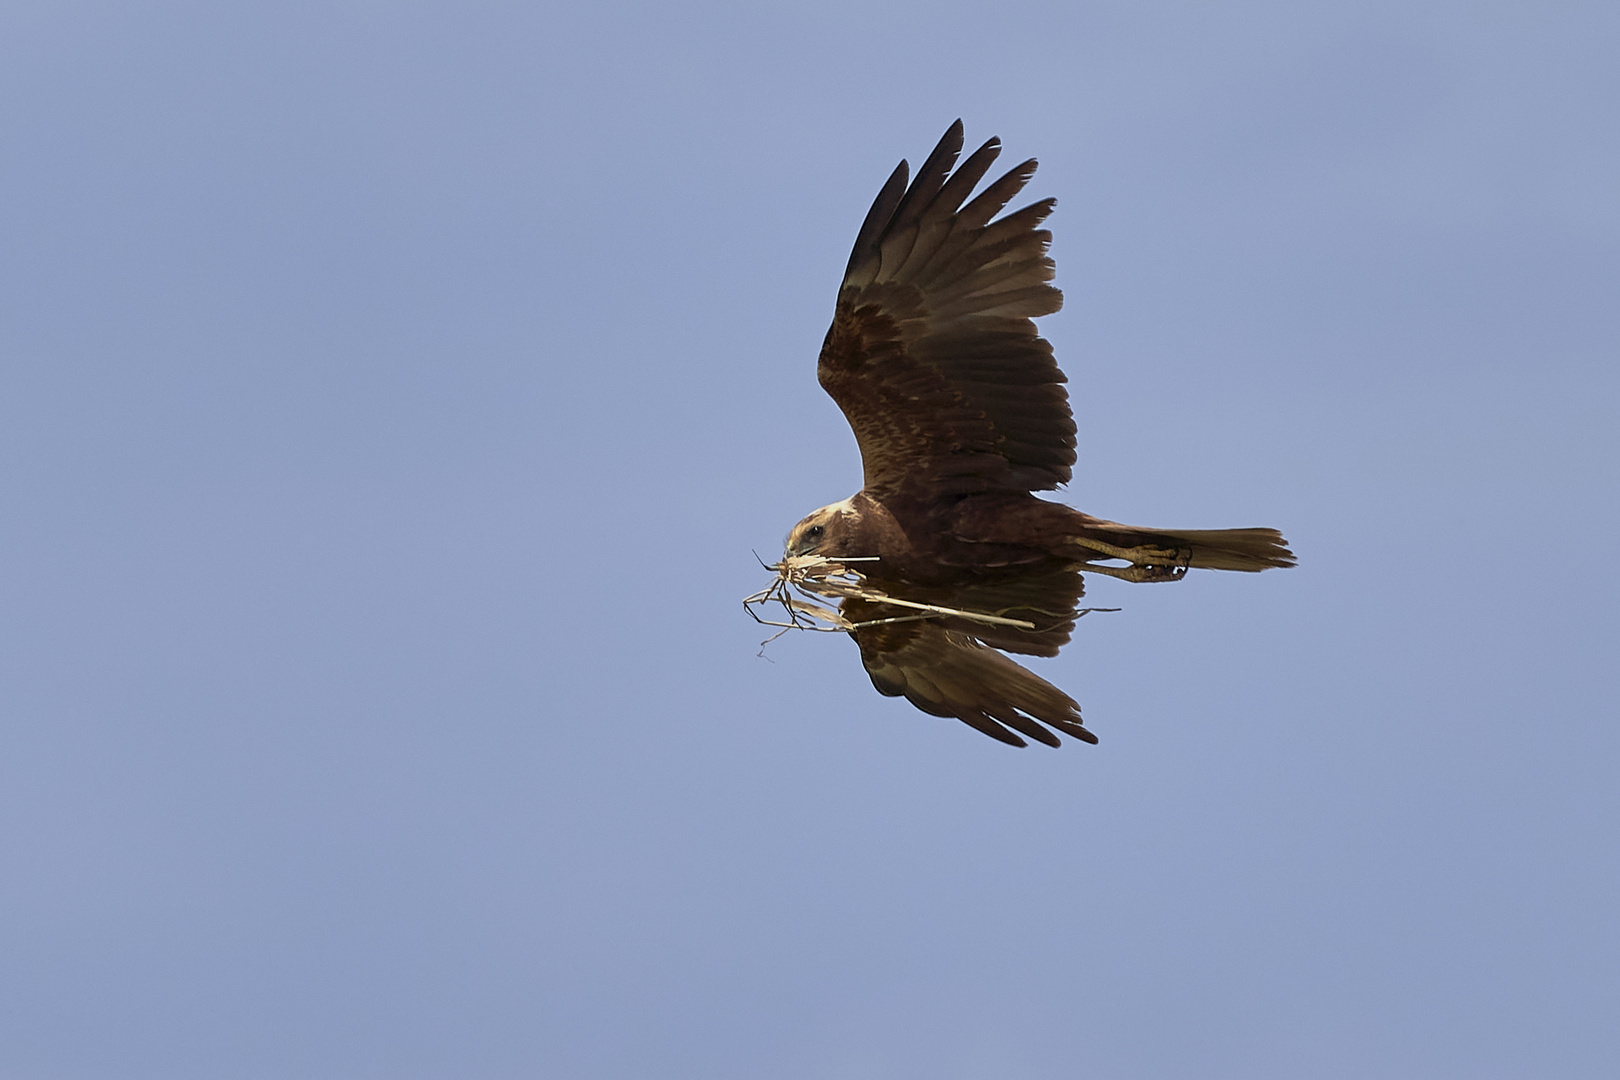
x=960 y=413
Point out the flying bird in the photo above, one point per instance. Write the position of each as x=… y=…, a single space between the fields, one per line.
x=961 y=415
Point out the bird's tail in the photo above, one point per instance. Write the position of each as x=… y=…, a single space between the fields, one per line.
x=1248 y=550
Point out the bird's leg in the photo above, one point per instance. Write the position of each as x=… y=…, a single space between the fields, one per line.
x=1147 y=563
x=1135 y=573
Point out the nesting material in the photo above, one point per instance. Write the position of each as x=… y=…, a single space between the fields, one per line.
x=814 y=575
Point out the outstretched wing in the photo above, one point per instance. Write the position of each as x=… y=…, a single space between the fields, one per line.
x=932 y=354
x=949 y=673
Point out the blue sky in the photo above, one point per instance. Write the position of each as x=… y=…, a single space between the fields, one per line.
x=391 y=398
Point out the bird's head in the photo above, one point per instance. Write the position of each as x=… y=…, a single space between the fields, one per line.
x=825 y=532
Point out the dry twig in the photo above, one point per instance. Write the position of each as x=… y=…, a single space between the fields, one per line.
x=814 y=575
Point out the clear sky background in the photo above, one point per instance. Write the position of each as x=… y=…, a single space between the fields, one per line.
x=391 y=398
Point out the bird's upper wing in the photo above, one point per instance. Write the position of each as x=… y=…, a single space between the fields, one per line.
x=949 y=673
x=932 y=354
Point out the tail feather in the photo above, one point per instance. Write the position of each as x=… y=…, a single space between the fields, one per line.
x=1236 y=549
x=1248 y=550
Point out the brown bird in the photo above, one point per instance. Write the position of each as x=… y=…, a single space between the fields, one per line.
x=960 y=413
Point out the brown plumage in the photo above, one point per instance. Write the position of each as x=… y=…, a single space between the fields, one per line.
x=960 y=413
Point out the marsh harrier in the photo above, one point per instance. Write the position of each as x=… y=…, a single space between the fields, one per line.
x=961 y=414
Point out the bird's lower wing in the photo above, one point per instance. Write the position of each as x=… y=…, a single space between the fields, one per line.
x=948 y=673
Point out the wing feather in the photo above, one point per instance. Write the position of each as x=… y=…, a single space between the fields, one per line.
x=994 y=199
x=949 y=673
x=877 y=219
x=932 y=354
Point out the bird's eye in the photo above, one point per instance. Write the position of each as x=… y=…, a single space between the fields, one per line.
x=814 y=530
